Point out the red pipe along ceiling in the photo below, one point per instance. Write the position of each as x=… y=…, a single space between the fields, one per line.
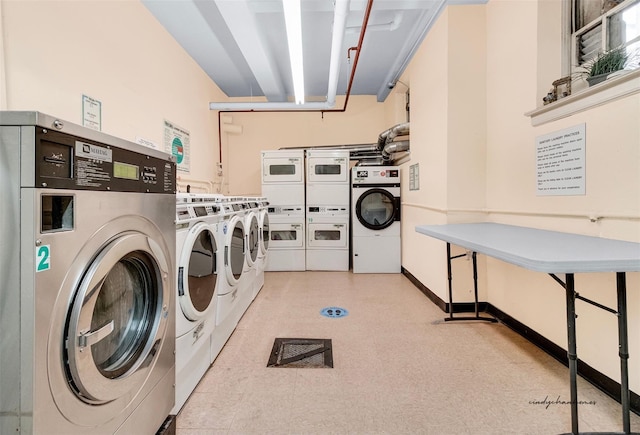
x=357 y=49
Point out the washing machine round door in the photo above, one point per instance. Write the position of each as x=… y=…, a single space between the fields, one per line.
x=117 y=319
x=235 y=255
x=265 y=234
x=253 y=237
x=197 y=272
x=377 y=209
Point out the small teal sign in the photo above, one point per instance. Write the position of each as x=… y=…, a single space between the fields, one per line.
x=334 y=312
x=43 y=258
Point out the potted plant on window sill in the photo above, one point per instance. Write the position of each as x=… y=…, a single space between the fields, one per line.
x=604 y=64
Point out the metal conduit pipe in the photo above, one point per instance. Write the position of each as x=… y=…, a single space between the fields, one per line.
x=353 y=147
x=394 y=147
x=390 y=134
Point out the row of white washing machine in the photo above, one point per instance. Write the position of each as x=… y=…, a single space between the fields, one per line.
x=221 y=249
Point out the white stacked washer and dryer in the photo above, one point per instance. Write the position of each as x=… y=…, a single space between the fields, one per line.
x=197 y=251
x=87 y=260
x=283 y=186
x=327 y=223
x=375 y=202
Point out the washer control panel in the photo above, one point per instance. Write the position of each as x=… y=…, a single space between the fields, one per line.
x=64 y=161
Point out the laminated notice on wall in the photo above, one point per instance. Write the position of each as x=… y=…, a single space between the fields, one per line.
x=560 y=162
x=414 y=177
x=91 y=113
x=176 y=143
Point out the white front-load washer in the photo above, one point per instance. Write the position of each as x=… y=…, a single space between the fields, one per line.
x=88 y=274
x=197 y=250
x=253 y=243
x=231 y=304
x=375 y=218
x=263 y=251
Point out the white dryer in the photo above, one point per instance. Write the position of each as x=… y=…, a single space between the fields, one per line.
x=328 y=238
x=197 y=250
x=375 y=216
x=283 y=176
x=88 y=274
x=327 y=181
x=287 y=238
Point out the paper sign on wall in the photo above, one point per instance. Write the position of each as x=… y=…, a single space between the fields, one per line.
x=560 y=162
x=91 y=113
x=176 y=143
x=414 y=177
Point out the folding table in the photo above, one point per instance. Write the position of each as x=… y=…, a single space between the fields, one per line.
x=555 y=252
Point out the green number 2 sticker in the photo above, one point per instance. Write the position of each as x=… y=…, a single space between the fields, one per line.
x=43 y=258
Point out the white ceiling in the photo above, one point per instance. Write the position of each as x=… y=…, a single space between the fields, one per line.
x=242 y=44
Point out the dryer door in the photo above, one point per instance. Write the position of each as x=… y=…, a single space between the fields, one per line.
x=328 y=235
x=198 y=272
x=377 y=209
x=282 y=169
x=286 y=235
x=117 y=319
x=234 y=250
x=327 y=169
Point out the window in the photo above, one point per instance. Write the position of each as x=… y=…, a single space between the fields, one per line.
x=601 y=25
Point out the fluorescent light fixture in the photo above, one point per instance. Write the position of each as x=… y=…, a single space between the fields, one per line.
x=293 y=20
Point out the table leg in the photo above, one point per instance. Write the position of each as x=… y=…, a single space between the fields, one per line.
x=475 y=289
x=449 y=277
x=623 y=341
x=475 y=284
x=571 y=350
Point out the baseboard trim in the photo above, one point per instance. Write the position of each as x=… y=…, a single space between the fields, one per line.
x=593 y=376
x=425 y=290
x=458 y=307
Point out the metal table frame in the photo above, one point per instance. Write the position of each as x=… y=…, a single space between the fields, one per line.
x=476 y=310
x=553 y=252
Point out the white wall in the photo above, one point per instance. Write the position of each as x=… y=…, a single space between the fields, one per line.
x=117 y=53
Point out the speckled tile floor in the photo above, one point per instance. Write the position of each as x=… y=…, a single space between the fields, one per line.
x=398 y=369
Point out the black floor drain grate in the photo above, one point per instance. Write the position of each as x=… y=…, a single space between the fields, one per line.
x=301 y=353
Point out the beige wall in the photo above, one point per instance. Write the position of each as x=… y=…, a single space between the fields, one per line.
x=361 y=123
x=448 y=142
x=476 y=151
x=117 y=53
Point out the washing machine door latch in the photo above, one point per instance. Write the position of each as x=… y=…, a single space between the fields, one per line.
x=89 y=338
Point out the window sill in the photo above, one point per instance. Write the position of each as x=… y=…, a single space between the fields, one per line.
x=602 y=93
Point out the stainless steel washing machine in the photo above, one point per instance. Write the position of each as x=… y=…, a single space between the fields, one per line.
x=87 y=290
